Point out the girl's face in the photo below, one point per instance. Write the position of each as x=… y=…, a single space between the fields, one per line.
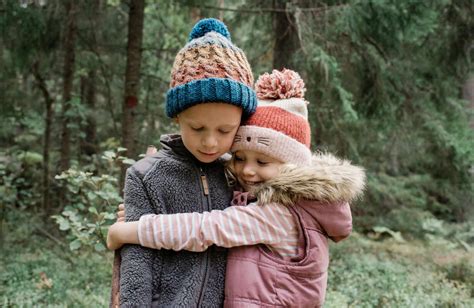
x=208 y=129
x=253 y=168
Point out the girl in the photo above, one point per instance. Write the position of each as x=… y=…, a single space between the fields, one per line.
x=302 y=201
x=211 y=90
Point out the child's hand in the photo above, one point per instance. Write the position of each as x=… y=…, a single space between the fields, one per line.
x=113 y=237
x=121 y=233
x=121 y=212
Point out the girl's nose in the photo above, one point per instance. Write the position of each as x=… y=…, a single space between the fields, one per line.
x=248 y=170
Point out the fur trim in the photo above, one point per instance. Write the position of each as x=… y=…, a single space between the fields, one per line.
x=327 y=179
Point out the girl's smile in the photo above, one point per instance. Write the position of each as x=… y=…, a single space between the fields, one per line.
x=253 y=168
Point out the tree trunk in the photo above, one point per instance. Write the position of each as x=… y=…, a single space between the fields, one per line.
x=132 y=74
x=68 y=76
x=88 y=144
x=287 y=42
x=47 y=135
x=221 y=11
x=88 y=91
x=468 y=94
x=195 y=14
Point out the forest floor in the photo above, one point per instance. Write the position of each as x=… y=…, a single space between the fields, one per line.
x=36 y=270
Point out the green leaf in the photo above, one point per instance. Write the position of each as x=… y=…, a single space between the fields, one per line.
x=93 y=210
x=31 y=158
x=395 y=234
x=99 y=247
x=64 y=225
x=109 y=155
x=109 y=216
x=74 y=245
x=128 y=161
x=121 y=149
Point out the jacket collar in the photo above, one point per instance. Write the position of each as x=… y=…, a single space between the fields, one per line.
x=174 y=143
x=327 y=179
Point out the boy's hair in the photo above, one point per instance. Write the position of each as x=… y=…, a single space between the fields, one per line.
x=210 y=69
x=279 y=127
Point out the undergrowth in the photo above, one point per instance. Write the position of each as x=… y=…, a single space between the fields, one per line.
x=37 y=271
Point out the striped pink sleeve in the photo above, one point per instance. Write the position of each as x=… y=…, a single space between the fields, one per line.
x=234 y=226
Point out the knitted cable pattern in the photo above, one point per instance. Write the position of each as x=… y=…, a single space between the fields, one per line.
x=210 y=68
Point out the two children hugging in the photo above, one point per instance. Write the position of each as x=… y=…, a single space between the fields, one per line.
x=285 y=205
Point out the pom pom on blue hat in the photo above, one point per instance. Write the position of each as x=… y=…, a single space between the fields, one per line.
x=207 y=25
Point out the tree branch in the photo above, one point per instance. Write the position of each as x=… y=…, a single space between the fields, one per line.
x=263 y=10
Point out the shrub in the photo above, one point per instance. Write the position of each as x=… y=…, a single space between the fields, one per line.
x=364 y=273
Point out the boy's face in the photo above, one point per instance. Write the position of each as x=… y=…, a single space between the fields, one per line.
x=253 y=168
x=208 y=129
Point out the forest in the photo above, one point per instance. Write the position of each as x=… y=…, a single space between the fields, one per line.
x=390 y=85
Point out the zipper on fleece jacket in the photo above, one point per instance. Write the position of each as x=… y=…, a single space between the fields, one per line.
x=205 y=185
x=207 y=207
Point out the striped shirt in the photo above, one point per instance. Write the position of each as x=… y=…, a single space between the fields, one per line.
x=271 y=224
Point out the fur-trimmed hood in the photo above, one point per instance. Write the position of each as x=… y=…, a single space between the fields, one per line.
x=327 y=179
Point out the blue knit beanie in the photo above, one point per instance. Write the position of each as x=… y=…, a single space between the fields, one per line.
x=210 y=69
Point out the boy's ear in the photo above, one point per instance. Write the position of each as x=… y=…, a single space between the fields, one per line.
x=176 y=120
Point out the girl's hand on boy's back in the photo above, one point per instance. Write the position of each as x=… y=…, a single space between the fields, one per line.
x=121 y=213
x=121 y=233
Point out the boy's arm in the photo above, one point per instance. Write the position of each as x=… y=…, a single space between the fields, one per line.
x=136 y=268
x=234 y=226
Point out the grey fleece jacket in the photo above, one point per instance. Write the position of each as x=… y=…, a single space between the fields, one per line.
x=171 y=182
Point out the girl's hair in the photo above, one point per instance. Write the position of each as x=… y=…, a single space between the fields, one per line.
x=230 y=173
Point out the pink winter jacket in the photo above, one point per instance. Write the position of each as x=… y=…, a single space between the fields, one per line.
x=256 y=277
x=318 y=198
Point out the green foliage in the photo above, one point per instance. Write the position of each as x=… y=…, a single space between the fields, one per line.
x=92 y=203
x=412 y=132
x=463 y=271
x=91 y=208
x=37 y=271
x=16 y=188
x=28 y=32
x=390 y=274
x=405 y=223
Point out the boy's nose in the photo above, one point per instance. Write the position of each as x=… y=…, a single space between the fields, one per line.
x=209 y=141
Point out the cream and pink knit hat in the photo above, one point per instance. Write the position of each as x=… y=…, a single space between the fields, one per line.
x=279 y=127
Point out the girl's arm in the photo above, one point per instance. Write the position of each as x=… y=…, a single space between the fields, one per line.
x=121 y=233
x=234 y=226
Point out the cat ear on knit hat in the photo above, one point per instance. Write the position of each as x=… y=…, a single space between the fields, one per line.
x=279 y=127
